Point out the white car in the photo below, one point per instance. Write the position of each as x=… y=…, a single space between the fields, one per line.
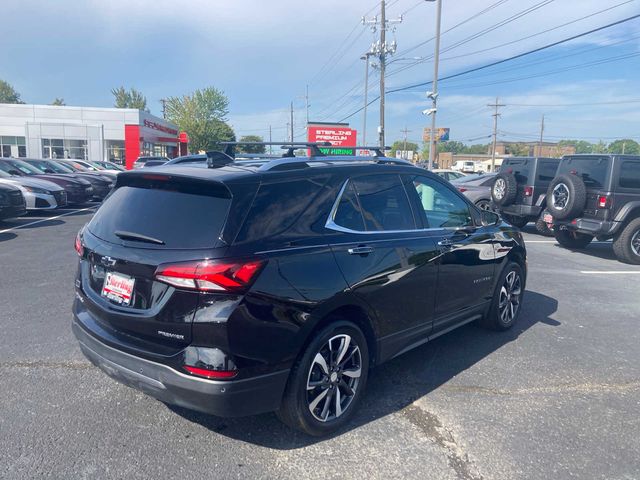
x=448 y=175
x=38 y=194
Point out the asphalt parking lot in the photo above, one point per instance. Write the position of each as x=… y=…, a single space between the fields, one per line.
x=557 y=397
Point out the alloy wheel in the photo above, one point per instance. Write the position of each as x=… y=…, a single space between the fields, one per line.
x=560 y=196
x=499 y=188
x=635 y=243
x=510 y=295
x=334 y=377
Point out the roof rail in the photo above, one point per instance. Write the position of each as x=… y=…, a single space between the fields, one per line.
x=301 y=162
x=229 y=147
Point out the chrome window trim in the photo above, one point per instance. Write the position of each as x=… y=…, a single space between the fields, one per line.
x=332 y=225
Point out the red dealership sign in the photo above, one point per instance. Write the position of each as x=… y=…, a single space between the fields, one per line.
x=341 y=137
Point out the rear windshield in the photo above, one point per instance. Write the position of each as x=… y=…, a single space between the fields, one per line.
x=179 y=218
x=592 y=170
x=520 y=169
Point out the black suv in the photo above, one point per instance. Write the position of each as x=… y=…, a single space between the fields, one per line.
x=598 y=196
x=276 y=285
x=520 y=190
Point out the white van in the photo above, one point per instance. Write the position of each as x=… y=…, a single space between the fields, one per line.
x=464 y=166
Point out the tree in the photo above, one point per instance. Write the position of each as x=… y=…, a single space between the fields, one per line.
x=203 y=116
x=451 y=146
x=129 y=99
x=8 y=94
x=399 y=145
x=630 y=147
x=58 y=102
x=580 y=145
x=600 y=147
x=251 y=148
x=478 y=148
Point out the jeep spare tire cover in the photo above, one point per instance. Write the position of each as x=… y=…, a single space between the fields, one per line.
x=566 y=197
x=504 y=189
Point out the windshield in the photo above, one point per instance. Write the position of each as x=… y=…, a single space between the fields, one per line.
x=22 y=167
x=592 y=170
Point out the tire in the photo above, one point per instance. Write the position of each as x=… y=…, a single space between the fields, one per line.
x=519 y=222
x=626 y=245
x=504 y=189
x=322 y=418
x=485 y=205
x=572 y=240
x=542 y=228
x=566 y=197
x=507 y=299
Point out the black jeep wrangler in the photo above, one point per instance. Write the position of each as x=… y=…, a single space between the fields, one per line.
x=598 y=196
x=519 y=191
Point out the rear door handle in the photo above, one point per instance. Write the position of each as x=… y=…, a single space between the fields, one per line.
x=360 y=250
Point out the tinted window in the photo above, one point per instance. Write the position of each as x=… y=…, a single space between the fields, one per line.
x=520 y=169
x=348 y=213
x=442 y=207
x=384 y=203
x=592 y=170
x=547 y=171
x=185 y=217
x=277 y=206
x=630 y=175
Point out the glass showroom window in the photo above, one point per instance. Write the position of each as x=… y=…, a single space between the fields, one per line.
x=115 y=151
x=12 y=146
x=59 y=148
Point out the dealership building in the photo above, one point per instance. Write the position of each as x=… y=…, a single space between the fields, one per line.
x=90 y=133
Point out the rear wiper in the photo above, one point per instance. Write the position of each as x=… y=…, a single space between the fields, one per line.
x=137 y=236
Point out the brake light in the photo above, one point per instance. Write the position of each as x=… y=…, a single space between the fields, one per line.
x=528 y=191
x=153 y=176
x=604 y=201
x=462 y=189
x=212 y=374
x=78 y=245
x=210 y=276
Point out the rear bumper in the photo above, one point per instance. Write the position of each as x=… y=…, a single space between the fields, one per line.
x=233 y=398
x=590 y=227
x=522 y=210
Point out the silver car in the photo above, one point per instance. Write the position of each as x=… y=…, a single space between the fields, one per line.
x=477 y=188
x=39 y=194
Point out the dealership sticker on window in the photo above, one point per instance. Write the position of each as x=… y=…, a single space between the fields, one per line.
x=118 y=288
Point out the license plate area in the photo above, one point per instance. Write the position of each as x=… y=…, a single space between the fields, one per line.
x=118 y=288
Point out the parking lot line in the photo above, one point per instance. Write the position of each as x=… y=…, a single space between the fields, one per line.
x=45 y=220
x=611 y=272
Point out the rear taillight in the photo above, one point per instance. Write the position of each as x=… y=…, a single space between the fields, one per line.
x=604 y=201
x=462 y=189
x=78 y=245
x=210 y=276
x=528 y=191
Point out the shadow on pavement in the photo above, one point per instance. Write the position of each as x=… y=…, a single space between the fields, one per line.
x=395 y=384
x=7 y=236
x=598 y=250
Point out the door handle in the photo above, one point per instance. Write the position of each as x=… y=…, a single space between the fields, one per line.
x=360 y=250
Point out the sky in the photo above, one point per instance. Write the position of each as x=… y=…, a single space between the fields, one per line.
x=263 y=55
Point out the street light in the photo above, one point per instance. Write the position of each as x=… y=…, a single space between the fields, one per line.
x=434 y=94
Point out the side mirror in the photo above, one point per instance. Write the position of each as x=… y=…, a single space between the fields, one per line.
x=489 y=218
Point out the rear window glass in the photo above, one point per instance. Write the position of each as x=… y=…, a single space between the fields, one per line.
x=547 y=171
x=630 y=175
x=181 y=218
x=278 y=206
x=519 y=169
x=384 y=203
x=593 y=171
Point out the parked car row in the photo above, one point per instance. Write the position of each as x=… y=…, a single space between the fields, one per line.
x=47 y=184
x=576 y=198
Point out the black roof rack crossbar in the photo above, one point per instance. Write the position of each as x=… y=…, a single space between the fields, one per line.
x=229 y=147
x=377 y=149
x=300 y=162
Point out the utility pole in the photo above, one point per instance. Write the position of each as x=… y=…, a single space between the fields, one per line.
x=541 y=135
x=270 y=140
x=381 y=49
x=163 y=101
x=306 y=102
x=495 y=132
x=291 y=124
x=404 y=149
x=365 y=57
x=434 y=93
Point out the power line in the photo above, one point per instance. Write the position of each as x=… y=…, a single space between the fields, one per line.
x=520 y=55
